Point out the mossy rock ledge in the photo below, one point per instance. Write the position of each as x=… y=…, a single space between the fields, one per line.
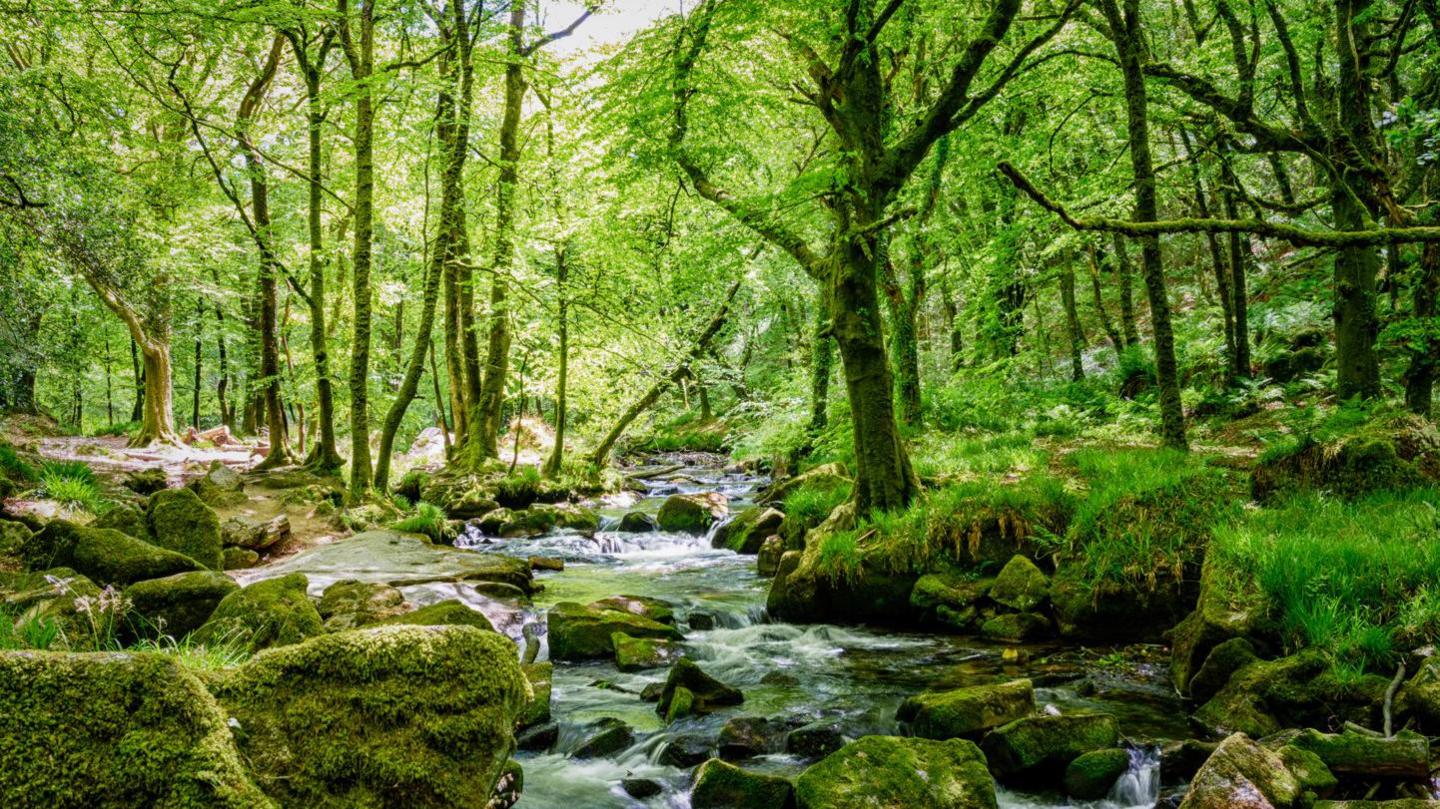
x=578 y=632
x=104 y=555
x=399 y=716
x=967 y=712
x=889 y=771
x=180 y=521
x=111 y=729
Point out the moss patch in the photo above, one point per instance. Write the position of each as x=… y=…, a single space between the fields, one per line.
x=275 y=612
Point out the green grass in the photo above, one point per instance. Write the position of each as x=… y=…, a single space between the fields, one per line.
x=428 y=520
x=1146 y=513
x=121 y=428
x=73 y=485
x=15 y=467
x=33 y=632
x=520 y=488
x=1359 y=580
x=196 y=656
x=810 y=505
x=937 y=454
x=938 y=526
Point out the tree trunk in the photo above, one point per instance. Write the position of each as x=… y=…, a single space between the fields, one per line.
x=1223 y=274
x=1425 y=352
x=1096 y=256
x=360 y=53
x=1127 y=32
x=227 y=410
x=487 y=409
x=556 y=460
x=1072 y=319
x=137 y=410
x=199 y=344
x=1127 y=297
x=601 y=453
x=822 y=360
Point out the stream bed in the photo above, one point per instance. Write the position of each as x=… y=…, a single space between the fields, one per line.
x=851 y=677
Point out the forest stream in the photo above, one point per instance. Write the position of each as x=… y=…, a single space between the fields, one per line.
x=853 y=678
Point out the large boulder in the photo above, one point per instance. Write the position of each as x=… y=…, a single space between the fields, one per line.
x=275 y=612
x=400 y=716
x=179 y=604
x=1091 y=775
x=1404 y=756
x=532 y=521
x=115 y=730
x=748 y=530
x=450 y=612
x=578 y=632
x=180 y=521
x=888 y=771
x=240 y=532
x=1266 y=696
x=1241 y=774
x=638 y=654
x=691 y=513
x=220 y=486
x=399 y=560
x=103 y=554
x=352 y=604
x=1021 y=585
x=1039 y=748
x=126 y=519
x=720 y=785
x=967 y=712
x=950 y=598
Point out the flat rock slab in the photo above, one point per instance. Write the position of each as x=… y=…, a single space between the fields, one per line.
x=395 y=559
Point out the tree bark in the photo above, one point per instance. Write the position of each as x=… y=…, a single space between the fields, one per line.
x=360 y=52
x=1425 y=352
x=1124 y=273
x=1072 y=319
x=1129 y=45
x=556 y=460
x=822 y=360
x=1096 y=257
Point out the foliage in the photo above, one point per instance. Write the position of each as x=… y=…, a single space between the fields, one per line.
x=73 y=485
x=428 y=520
x=1355 y=579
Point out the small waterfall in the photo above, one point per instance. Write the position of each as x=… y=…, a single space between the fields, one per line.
x=1140 y=785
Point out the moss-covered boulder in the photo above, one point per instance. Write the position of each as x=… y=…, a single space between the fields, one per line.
x=888 y=771
x=1021 y=585
x=581 y=519
x=145 y=482
x=176 y=605
x=1016 y=627
x=951 y=599
x=967 y=712
x=12 y=537
x=638 y=654
x=1386 y=454
x=821 y=477
x=450 y=612
x=1039 y=748
x=1309 y=771
x=604 y=737
x=706 y=694
x=400 y=716
x=219 y=487
x=656 y=609
x=241 y=532
x=578 y=632
x=636 y=522
x=1241 y=774
x=126 y=519
x=351 y=604
x=179 y=520
x=505 y=523
x=748 y=530
x=103 y=554
x=275 y=612
x=1296 y=691
x=541 y=678
x=1229 y=606
x=81 y=730
x=721 y=785
x=239 y=558
x=1091 y=775
x=691 y=513
x=1406 y=755
x=1107 y=611
x=1222 y=663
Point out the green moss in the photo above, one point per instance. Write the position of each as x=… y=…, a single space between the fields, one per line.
x=1042 y=746
x=749 y=529
x=103 y=554
x=1091 y=775
x=720 y=785
x=890 y=771
x=451 y=612
x=687 y=513
x=1021 y=585
x=381 y=717
x=965 y=712
x=115 y=730
x=429 y=521
x=176 y=605
x=578 y=632
x=275 y=612
x=180 y=521
x=638 y=654
x=537 y=709
x=704 y=693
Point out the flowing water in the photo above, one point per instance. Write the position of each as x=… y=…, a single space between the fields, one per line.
x=854 y=678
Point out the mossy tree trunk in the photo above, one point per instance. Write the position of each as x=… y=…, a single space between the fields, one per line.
x=359 y=46
x=1095 y=257
x=822 y=361
x=1127 y=34
x=1425 y=350
x=1124 y=273
x=1072 y=321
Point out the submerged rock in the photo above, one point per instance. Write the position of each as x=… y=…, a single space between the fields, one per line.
x=400 y=716
x=578 y=632
x=748 y=736
x=1041 y=747
x=748 y=530
x=1091 y=775
x=815 y=740
x=179 y=604
x=103 y=554
x=1241 y=774
x=888 y=771
x=276 y=612
x=637 y=522
x=115 y=730
x=684 y=752
x=691 y=513
x=605 y=737
x=707 y=694
x=966 y=712
x=180 y=521
x=720 y=785
x=640 y=788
